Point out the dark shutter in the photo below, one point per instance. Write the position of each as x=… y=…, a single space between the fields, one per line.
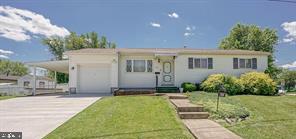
x=235 y=63
x=190 y=63
x=210 y=63
x=254 y=63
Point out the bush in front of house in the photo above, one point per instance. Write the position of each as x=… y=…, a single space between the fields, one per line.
x=258 y=83
x=213 y=83
x=188 y=87
x=231 y=84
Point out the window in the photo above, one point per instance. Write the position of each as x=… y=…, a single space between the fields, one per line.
x=149 y=65
x=26 y=83
x=204 y=63
x=244 y=63
x=41 y=84
x=128 y=66
x=139 y=65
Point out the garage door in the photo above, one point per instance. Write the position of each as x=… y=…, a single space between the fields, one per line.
x=94 y=78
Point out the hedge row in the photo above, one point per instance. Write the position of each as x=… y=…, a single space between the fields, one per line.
x=254 y=83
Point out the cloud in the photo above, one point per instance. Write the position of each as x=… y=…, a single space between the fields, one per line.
x=21 y=25
x=154 y=24
x=187 y=34
x=4 y=56
x=173 y=15
x=289 y=27
x=190 y=28
x=291 y=65
x=5 y=53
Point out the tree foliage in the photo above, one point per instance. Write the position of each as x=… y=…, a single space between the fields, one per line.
x=252 y=37
x=58 y=45
x=12 y=68
x=289 y=78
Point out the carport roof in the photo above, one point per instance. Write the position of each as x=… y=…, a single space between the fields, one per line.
x=58 y=66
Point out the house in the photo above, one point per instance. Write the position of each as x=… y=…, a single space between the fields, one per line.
x=27 y=81
x=4 y=79
x=101 y=70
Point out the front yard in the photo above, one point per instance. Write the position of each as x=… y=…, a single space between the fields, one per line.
x=270 y=116
x=125 y=117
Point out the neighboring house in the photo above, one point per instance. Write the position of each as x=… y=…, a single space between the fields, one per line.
x=9 y=79
x=99 y=70
x=41 y=82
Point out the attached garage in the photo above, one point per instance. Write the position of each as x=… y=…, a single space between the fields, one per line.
x=94 y=78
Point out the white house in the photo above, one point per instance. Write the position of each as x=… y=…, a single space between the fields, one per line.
x=100 y=70
x=41 y=82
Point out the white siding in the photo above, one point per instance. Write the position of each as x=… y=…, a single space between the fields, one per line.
x=221 y=64
x=76 y=60
x=136 y=79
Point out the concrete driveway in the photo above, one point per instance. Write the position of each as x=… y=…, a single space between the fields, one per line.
x=37 y=116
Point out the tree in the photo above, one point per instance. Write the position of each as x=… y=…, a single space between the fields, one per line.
x=12 y=68
x=252 y=37
x=289 y=77
x=57 y=46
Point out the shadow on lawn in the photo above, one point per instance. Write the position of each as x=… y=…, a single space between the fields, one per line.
x=128 y=133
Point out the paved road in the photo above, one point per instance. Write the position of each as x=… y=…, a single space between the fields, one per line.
x=37 y=116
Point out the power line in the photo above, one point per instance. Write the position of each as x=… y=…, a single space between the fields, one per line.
x=286 y=1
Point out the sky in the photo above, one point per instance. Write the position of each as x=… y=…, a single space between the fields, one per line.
x=141 y=24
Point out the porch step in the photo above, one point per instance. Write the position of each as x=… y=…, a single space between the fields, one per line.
x=171 y=89
x=177 y=97
x=193 y=115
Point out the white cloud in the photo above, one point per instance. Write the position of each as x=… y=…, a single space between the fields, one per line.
x=173 y=15
x=190 y=28
x=5 y=52
x=153 y=24
x=187 y=34
x=4 y=56
x=21 y=25
x=291 y=65
x=289 y=27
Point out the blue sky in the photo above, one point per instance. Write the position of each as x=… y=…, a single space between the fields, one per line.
x=139 y=24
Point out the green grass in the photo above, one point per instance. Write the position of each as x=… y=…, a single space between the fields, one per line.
x=6 y=97
x=125 y=117
x=271 y=117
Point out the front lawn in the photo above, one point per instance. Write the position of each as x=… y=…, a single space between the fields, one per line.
x=125 y=117
x=6 y=97
x=271 y=117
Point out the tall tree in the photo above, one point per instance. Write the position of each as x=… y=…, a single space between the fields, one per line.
x=57 y=46
x=12 y=68
x=252 y=37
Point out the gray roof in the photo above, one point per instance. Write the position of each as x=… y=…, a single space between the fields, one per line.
x=165 y=50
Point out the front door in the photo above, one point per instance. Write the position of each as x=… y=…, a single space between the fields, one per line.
x=167 y=73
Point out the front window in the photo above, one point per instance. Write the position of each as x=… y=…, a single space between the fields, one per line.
x=201 y=63
x=138 y=65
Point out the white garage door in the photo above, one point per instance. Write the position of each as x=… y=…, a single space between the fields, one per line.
x=94 y=78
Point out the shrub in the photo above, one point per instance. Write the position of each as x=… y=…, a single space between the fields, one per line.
x=188 y=87
x=231 y=84
x=213 y=83
x=258 y=83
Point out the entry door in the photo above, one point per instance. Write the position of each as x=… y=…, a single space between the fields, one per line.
x=167 y=73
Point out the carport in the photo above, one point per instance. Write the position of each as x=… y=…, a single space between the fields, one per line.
x=61 y=66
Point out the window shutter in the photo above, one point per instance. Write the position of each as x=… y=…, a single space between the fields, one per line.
x=190 y=63
x=210 y=63
x=128 y=66
x=254 y=63
x=235 y=63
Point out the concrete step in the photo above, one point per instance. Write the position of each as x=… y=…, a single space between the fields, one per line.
x=190 y=109
x=193 y=115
